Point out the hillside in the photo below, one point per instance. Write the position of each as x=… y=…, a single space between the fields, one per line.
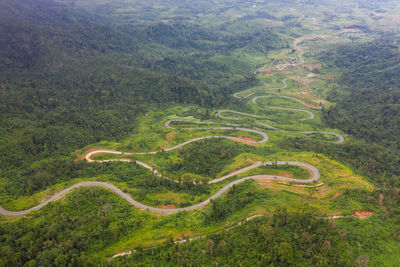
x=207 y=133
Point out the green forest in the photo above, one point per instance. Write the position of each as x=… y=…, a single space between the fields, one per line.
x=193 y=98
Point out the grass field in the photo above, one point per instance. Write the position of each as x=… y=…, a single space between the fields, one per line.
x=152 y=135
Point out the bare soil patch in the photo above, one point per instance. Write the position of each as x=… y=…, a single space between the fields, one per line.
x=304 y=81
x=245 y=142
x=267 y=185
x=313 y=105
x=169 y=206
x=381 y=201
x=324 y=193
x=79 y=158
x=170 y=136
x=247 y=138
x=352 y=30
x=313 y=66
x=82 y=157
x=186 y=234
x=362 y=213
x=311 y=75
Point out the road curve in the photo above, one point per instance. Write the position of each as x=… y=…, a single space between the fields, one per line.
x=340 y=137
x=278 y=95
x=246 y=96
x=274 y=88
x=116 y=190
x=106 y=151
x=295 y=99
x=338 y=141
x=232 y=127
x=167 y=124
x=310 y=114
x=219 y=115
x=301 y=102
x=314 y=171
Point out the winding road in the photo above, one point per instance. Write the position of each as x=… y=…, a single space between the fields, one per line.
x=276 y=88
x=340 y=138
x=310 y=114
x=128 y=198
x=294 y=99
x=219 y=115
x=315 y=175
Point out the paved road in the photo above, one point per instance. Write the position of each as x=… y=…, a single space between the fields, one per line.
x=232 y=127
x=246 y=96
x=278 y=95
x=297 y=100
x=297 y=47
x=276 y=88
x=310 y=114
x=312 y=169
x=340 y=137
x=219 y=115
x=338 y=141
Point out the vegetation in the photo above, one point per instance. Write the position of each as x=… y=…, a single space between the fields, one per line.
x=370 y=77
x=205 y=158
x=58 y=98
x=283 y=239
x=81 y=75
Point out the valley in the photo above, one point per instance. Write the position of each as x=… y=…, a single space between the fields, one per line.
x=176 y=135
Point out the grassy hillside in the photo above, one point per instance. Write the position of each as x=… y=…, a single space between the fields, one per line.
x=70 y=79
x=140 y=76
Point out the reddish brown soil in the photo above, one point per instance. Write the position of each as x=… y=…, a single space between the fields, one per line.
x=312 y=105
x=311 y=75
x=86 y=151
x=169 y=206
x=323 y=194
x=381 y=201
x=330 y=77
x=170 y=136
x=244 y=142
x=312 y=67
x=307 y=98
x=261 y=181
x=186 y=234
x=247 y=138
x=352 y=30
x=362 y=213
x=79 y=158
x=267 y=185
x=251 y=160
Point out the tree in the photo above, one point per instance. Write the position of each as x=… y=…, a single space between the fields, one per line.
x=285 y=253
